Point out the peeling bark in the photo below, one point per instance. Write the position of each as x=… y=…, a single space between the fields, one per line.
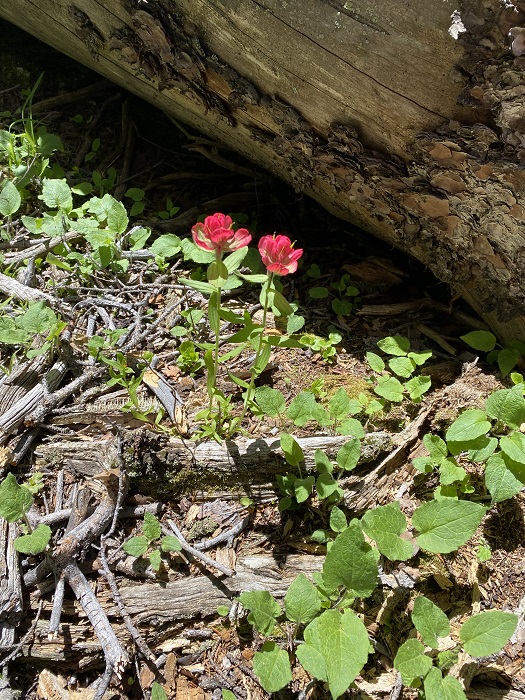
x=371 y=108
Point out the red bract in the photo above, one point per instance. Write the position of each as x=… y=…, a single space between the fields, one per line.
x=216 y=234
x=279 y=255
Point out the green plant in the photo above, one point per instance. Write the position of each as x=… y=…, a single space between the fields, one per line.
x=403 y=363
x=15 y=502
x=343 y=295
x=326 y=347
x=506 y=357
x=144 y=544
x=33 y=321
x=170 y=210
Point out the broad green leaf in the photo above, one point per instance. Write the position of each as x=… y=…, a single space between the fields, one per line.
x=170 y=543
x=151 y=527
x=348 y=455
x=507 y=405
x=411 y=661
x=339 y=405
x=292 y=450
x=264 y=610
x=294 y=323
x=302 y=601
x=303 y=488
x=323 y=463
x=504 y=478
x=217 y=274
x=136 y=546
x=514 y=447
x=135 y=193
x=480 y=340
x=233 y=261
x=37 y=318
x=417 y=386
x=402 y=366
x=482 y=448
x=436 y=447
x=488 y=632
x=423 y=464
x=376 y=363
x=394 y=345
x=470 y=425
x=446 y=525
x=117 y=217
x=270 y=401
x=166 y=246
x=508 y=358
x=318 y=292
x=10 y=199
x=450 y=471
x=34 y=543
x=138 y=237
x=337 y=520
x=351 y=426
x=155 y=560
x=389 y=388
x=15 y=500
x=430 y=621
x=272 y=667
x=420 y=357
x=439 y=688
x=384 y=524
x=192 y=252
x=335 y=649
x=56 y=194
x=158 y=692
x=326 y=486
x=351 y=562
x=303 y=408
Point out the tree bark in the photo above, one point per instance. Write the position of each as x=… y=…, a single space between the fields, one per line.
x=406 y=119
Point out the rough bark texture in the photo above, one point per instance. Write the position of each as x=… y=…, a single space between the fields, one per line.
x=370 y=107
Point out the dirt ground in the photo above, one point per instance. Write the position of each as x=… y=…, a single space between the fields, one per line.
x=198 y=652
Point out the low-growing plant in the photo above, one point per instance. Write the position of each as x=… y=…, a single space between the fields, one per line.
x=33 y=326
x=343 y=294
x=150 y=545
x=507 y=357
x=15 y=503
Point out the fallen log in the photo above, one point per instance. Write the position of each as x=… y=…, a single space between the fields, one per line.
x=404 y=119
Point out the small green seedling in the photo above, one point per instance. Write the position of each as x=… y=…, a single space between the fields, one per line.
x=143 y=544
x=35 y=320
x=506 y=357
x=15 y=502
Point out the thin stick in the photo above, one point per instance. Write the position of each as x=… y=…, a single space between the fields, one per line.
x=197 y=554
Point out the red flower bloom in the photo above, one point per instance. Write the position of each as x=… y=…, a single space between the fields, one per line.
x=216 y=234
x=278 y=254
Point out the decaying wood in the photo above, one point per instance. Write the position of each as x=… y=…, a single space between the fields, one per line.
x=405 y=119
x=10 y=585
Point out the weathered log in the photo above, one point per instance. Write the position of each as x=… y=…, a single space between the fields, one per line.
x=405 y=119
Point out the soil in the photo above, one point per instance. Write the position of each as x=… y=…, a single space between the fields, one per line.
x=197 y=651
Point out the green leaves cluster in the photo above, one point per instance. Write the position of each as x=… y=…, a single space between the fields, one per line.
x=400 y=362
x=506 y=357
x=143 y=544
x=34 y=320
x=15 y=502
x=343 y=294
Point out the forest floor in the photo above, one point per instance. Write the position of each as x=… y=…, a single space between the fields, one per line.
x=88 y=430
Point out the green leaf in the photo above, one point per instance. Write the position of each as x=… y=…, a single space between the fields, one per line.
x=351 y=426
x=450 y=471
x=402 y=366
x=417 y=386
x=318 y=292
x=339 y=405
x=394 y=345
x=264 y=610
x=323 y=463
x=439 y=688
x=508 y=358
x=337 y=520
x=294 y=323
x=117 y=216
x=302 y=601
x=56 y=194
x=376 y=363
x=351 y=562
x=292 y=450
x=384 y=524
x=151 y=527
x=34 y=543
x=272 y=667
x=37 y=318
x=348 y=455
x=233 y=261
x=335 y=649
x=15 y=500
x=199 y=285
x=430 y=621
x=480 y=340
x=420 y=357
x=342 y=307
x=389 y=388
x=166 y=246
x=436 y=447
x=488 y=632
x=136 y=546
x=192 y=252
x=158 y=692
x=446 y=525
x=217 y=274
x=514 y=446
x=507 y=405
x=10 y=199
x=481 y=449
x=155 y=560
x=303 y=488
x=135 y=193
x=270 y=401
x=303 y=408
x=326 y=486
x=504 y=478
x=470 y=425
x=170 y=543
x=411 y=661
